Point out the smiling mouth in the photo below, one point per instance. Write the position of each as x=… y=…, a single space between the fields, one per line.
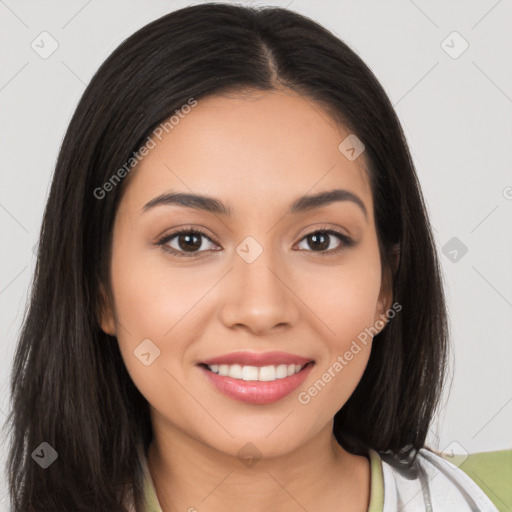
x=260 y=385
x=267 y=373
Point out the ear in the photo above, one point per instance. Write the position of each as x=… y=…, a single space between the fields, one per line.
x=385 y=299
x=106 y=314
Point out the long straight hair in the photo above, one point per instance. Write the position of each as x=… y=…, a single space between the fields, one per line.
x=69 y=385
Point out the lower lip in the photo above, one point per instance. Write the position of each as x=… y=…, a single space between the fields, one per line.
x=257 y=392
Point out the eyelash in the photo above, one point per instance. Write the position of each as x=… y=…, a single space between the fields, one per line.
x=346 y=242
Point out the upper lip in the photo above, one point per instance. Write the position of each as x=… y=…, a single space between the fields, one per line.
x=258 y=359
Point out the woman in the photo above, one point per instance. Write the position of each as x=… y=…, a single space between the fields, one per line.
x=237 y=300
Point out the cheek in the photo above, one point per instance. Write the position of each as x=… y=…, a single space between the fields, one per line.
x=334 y=382
x=151 y=299
x=152 y=292
x=153 y=302
x=344 y=297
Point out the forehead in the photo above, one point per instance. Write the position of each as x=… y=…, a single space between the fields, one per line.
x=250 y=149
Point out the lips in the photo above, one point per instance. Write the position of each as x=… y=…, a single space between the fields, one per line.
x=258 y=359
x=257 y=391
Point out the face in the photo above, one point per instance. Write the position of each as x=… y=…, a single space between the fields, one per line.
x=258 y=273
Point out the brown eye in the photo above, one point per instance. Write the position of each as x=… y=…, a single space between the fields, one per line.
x=185 y=242
x=322 y=241
x=189 y=241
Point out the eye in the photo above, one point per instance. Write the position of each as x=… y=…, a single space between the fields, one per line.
x=185 y=242
x=189 y=242
x=320 y=241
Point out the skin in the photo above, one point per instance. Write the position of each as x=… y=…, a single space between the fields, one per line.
x=256 y=153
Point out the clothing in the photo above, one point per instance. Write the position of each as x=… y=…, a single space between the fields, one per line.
x=433 y=485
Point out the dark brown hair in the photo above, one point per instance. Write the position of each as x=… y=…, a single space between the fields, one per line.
x=70 y=387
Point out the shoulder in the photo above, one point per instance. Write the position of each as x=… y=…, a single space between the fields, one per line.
x=431 y=484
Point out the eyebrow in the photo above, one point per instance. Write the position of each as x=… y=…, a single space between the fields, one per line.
x=212 y=205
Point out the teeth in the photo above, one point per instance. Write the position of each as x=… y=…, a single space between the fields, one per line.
x=261 y=373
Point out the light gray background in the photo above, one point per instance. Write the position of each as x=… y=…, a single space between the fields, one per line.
x=456 y=113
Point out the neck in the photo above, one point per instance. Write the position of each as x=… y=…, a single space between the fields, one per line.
x=191 y=476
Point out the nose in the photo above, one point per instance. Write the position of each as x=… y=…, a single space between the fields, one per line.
x=259 y=296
